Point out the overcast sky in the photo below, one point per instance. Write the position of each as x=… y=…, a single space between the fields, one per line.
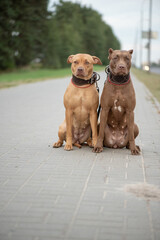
x=124 y=18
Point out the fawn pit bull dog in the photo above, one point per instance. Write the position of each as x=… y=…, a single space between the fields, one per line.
x=81 y=101
x=117 y=127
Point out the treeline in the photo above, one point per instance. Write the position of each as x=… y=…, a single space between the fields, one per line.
x=30 y=32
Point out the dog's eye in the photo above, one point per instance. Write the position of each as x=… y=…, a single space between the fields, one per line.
x=127 y=58
x=75 y=62
x=86 y=62
x=115 y=58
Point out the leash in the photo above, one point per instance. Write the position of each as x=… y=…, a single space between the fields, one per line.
x=107 y=72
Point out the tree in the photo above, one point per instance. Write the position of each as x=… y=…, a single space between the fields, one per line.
x=31 y=25
x=81 y=30
x=21 y=31
x=7 y=15
x=29 y=31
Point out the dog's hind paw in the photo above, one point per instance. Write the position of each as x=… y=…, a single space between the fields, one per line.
x=57 y=144
x=89 y=142
x=136 y=150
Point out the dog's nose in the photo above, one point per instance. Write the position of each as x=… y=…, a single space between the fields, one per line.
x=80 y=69
x=121 y=66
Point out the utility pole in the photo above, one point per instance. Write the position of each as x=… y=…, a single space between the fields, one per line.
x=135 y=48
x=141 y=42
x=141 y=37
x=149 y=34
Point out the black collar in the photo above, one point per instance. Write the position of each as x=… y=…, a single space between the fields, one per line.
x=81 y=82
x=117 y=79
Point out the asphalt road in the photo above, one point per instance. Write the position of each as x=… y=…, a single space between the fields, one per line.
x=155 y=70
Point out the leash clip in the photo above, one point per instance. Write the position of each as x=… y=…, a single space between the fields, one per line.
x=107 y=69
x=95 y=77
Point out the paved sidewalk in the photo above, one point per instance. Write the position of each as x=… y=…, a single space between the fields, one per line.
x=51 y=194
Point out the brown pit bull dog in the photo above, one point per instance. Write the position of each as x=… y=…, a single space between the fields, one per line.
x=81 y=101
x=117 y=127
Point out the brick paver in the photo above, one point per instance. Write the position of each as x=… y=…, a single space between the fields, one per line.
x=52 y=194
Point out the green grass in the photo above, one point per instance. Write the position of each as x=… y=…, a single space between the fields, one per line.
x=151 y=80
x=10 y=79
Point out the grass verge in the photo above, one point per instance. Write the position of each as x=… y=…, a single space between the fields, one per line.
x=151 y=80
x=17 y=77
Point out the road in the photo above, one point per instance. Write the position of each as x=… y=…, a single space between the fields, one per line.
x=155 y=70
x=51 y=194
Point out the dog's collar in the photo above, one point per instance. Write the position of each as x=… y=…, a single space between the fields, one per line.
x=117 y=80
x=80 y=82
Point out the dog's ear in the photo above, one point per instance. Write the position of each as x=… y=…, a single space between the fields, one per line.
x=110 y=51
x=130 y=51
x=96 y=60
x=69 y=60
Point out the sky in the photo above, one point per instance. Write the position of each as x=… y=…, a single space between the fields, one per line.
x=124 y=16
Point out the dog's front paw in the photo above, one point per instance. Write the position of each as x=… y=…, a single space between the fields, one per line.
x=94 y=142
x=136 y=150
x=68 y=147
x=97 y=149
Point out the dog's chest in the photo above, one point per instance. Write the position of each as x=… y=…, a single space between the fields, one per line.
x=81 y=99
x=118 y=103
